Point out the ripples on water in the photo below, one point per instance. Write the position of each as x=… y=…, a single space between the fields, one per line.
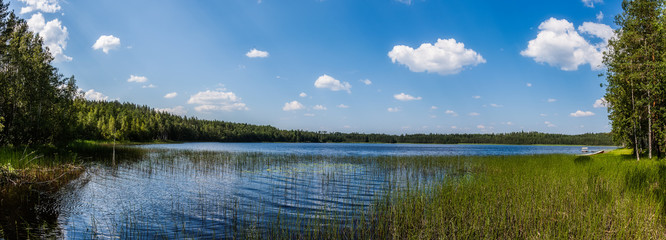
x=209 y=190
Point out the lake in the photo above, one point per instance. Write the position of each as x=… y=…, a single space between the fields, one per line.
x=226 y=190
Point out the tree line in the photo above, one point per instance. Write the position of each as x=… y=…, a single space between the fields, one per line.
x=636 y=90
x=39 y=106
x=101 y=120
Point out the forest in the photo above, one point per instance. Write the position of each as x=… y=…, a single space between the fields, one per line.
x=39 y=106
x=636 y=67
x=131 y=122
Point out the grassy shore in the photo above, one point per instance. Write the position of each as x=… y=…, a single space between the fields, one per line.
x=46 y=164
x=608 y=196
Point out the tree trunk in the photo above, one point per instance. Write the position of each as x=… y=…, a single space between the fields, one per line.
x=649 y=129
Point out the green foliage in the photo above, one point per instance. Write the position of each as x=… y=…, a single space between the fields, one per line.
x=636 y=64
x=131 y=122
x=35 y=101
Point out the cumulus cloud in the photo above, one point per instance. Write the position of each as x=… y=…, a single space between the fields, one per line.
x=590 y=3
x=216 y=101
x=292 y=106
x=149 y=86
x=178 y=110
x=95 y=96
x=551 y=100
x=395 y=109
x=106 y=43
x=54 y=35
x=49 y=6
x=560 y=45
x=580 y=113
x=171 y=95
x=303 y=94
x=529 y=85
x=366 y=81
x=405 y=97
x=445 y=57
x=138 y=79
x=343 y=106
x=319 y=107
x=451 y=112
x=254 y=53
x=326 y=81
x=600 y=103
x=602 y=31
x=433 y=108
x=549 y=124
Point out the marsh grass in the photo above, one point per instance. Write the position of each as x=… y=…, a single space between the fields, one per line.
x=608 y=196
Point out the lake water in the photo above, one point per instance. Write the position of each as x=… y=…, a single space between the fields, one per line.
x=363 y=149
x=224 y=190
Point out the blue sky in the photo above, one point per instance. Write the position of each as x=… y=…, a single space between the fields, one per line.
x=380 y=66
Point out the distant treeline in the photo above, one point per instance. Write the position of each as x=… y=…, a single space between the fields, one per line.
x=131 y=122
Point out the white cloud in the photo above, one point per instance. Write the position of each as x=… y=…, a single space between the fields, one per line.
x=559 y=44
x=178 y=110
x=600 y=103
x=342 y=106
x=451 y=112
x=476 y=97
x=496 y=105
x=600 y=16
x=54 y=35
x=95 y=96
x=599 y=30
x=325 y=81
x=49 y=6
x=480 y=126
x=445 y=57
x=309 y=114
x=149 y=86
x=138 y=79
x=366 y=81
x=216 y=101
x=395 y=109
x=171 y=95
x=254 y=53
x=509 y=123
x=543 y=115
x=590 y=3
x=580 y=113
x=474 y=114
x=106 y=43
x=454 y=127
x=551 y=100
x=529 y=85
x=405 y=97
x=408 y=2
x=319 y=107
x=292 y=106
x=549 y=124
x=433 y=108
x=303 y=94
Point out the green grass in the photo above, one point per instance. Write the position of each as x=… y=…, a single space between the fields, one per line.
x=607 y=196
